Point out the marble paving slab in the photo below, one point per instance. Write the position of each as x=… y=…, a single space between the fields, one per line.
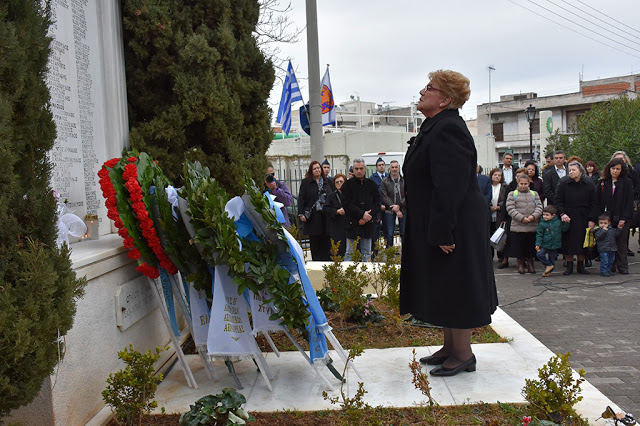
x=501 y=372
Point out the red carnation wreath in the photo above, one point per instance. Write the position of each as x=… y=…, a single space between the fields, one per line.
x=132 y=220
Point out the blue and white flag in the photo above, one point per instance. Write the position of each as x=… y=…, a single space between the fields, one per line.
x=290 y=94
x=326 y=101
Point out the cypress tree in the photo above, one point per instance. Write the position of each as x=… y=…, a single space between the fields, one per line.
x=38 y=288
x=198 y=85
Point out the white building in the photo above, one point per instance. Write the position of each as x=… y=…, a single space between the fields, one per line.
x=559 y=112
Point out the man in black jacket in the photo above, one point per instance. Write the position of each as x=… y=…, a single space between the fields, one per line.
x=552 y=176
x=361 y=202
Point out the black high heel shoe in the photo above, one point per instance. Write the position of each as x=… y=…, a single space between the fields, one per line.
x=433 y=360
x=468 y=365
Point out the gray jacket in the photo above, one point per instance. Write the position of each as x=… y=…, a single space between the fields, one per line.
x=606 y=240
x=523 y=205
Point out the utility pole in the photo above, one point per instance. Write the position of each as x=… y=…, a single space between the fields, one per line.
x=491 y=68
x=313 y=61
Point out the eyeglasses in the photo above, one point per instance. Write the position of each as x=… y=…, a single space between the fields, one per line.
x=430 y=88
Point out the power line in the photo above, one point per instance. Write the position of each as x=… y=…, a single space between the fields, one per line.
x=572 y=29
x=594 y=16
x=593 y=23
x=613 y=19
x=582 y=26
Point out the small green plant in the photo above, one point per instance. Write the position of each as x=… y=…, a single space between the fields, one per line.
x=345 y=286
x=421 y=380
x=130 y=391
x=556 y=392
x=217 y=410
x=365 y=312
x=353 y=407
x=386 y=276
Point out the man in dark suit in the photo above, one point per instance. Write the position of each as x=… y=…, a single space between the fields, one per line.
x=484 y=182
x=378 y=176
x=552 y=176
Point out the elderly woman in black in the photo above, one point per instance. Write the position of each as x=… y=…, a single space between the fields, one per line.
x=336 y=214
x=576 y=203
x=314 y=190
x=614 y=195
x=446 y=276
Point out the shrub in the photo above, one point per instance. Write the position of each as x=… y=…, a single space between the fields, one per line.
x=198 y=86
x=222 y=409
x=554 y=395
x=38 y=288
x=130 y=391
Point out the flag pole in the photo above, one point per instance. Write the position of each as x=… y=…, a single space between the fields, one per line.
x=313 y=59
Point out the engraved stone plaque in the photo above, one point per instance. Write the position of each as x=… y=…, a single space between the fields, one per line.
x=134 y=300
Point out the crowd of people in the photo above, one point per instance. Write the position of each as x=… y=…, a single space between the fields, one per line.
x=353 y=211
x=555 y=213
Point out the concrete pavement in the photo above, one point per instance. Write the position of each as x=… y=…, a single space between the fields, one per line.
x=593 y=317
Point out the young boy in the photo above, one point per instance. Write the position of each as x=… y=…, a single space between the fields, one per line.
x=606 y=240
x=549 y=238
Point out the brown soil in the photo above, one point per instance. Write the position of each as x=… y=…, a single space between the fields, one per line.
x=473 y=414
x=393 y=332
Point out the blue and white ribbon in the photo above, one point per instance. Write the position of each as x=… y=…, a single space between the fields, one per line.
x=168 y=300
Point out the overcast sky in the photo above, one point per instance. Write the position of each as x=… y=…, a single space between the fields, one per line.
x=383 y=50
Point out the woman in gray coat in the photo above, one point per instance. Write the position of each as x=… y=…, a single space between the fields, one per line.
x=525 y=208
x=446 y=276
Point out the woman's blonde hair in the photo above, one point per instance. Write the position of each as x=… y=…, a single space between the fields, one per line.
x=453 y=85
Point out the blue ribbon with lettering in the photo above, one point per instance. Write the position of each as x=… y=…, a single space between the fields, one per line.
x=185 y=286
x=168 y=300
x=317 y=320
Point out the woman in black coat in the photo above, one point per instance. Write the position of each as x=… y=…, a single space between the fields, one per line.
x=593 y=172
x=614 y=195
x=536 y=182
x=576 y=204
x=446 y=276
x=336 y=214
x=314 y=190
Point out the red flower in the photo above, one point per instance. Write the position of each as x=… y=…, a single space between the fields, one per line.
x=134 y=253
x=132 y=159
x=109 y=164
x=148 y=271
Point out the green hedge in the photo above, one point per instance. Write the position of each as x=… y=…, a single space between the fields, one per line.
x=198 y=86
x=38 y=288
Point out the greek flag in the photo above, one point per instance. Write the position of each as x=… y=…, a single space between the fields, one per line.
x=290 y=94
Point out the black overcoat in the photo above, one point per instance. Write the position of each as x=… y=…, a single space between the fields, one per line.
x=578 y=201
x=316 y=225
x=359 y=196
x=618 y=205
x=337 y=222
x=444 y=207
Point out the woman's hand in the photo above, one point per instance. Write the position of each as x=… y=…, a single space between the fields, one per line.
x=495 y=208
x=565 y=218
x=302 y=218
x=532 y=218
x=448 y=249
x=340 y=211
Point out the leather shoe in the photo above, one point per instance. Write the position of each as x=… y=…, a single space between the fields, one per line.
x=468 y=365
x=433 y=360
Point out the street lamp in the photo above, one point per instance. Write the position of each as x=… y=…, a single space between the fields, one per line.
x=531 y=116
